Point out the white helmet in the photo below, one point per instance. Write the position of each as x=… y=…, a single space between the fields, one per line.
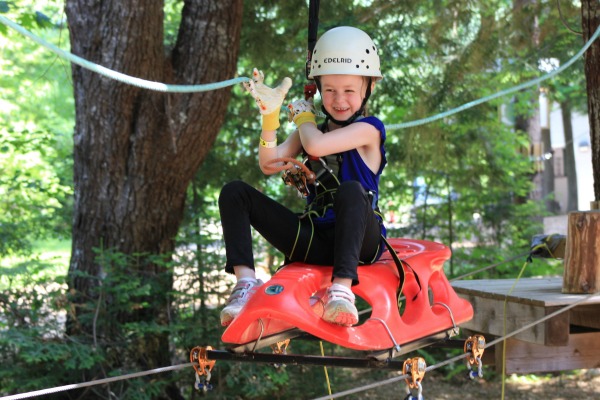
x=347 y=51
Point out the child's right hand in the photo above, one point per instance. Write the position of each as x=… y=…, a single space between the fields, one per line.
x=301 y=111
x=268 y=99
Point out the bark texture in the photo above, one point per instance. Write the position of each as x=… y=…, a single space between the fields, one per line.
x=136 y=150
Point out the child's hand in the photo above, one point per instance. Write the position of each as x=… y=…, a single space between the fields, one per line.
x=301 y=111
x=268 y=99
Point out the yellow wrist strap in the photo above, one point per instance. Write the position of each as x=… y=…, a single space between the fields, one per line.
x=270 y=122
x=305 y=117
x=269 y=144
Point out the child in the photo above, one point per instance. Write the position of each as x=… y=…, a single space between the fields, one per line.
x=341 y=225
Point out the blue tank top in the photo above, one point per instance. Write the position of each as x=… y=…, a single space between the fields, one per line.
x=353 y=168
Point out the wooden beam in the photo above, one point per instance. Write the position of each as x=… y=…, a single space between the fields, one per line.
x=489 y=318
x=582 y=256
x=587 y=316
x=582 y=351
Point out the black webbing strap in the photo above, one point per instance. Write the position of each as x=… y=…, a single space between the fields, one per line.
x=400 y=265
x=313 y=28
x=310 y=89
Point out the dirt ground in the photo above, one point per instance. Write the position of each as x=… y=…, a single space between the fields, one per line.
x=577 y=385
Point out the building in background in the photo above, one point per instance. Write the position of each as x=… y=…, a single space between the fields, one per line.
x=551 y=119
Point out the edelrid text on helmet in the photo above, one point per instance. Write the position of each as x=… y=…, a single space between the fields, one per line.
x=337 y=60
x=345 y=50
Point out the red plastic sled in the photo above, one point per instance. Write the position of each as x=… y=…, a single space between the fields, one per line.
x=289 y=303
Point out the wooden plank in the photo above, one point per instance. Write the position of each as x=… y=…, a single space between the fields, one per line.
x=535 y=291
x=530 y=299
x=587 y=315
x=489 y=318
x=582 y=351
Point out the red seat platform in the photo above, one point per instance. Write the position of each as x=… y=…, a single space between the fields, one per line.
x=287 y=301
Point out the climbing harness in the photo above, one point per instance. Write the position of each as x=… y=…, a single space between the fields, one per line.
x=326 y=182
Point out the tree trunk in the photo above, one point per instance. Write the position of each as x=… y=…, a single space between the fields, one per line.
x=570 y=169
x=590 y=20
x=135 y=150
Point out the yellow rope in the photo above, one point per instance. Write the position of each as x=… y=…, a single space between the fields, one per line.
x=503 y=377
x=325 y=369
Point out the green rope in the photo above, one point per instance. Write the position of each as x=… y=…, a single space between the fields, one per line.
x=501 y=93
x=142 y=83
x=162 y=87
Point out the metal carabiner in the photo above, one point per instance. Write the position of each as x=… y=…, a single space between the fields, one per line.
x=415 y=367
x=475 y=346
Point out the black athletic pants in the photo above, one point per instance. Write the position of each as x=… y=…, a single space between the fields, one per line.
x=354 y=238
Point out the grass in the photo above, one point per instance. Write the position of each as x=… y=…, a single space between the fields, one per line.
x=49 y=259
x=57 y=252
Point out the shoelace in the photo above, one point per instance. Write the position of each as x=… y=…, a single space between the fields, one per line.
x=335 y=293
x=240 y=290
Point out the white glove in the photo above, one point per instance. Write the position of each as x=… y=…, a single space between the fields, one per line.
x=301 y=111
x=267 y=99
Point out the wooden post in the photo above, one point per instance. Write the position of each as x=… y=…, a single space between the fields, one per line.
x=582 y=256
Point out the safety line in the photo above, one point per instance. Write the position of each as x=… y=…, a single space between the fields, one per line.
x=490 y=266
x=505 y=321
x=331 y=396
x=502 y=92
x=57 y=389
x=142 y=83
x=162 y=87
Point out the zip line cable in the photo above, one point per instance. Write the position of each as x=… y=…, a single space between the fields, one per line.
x=163 y=87
x=461 y=356
x=64 y=388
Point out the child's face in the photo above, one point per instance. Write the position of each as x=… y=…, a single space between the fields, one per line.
x=342 y=95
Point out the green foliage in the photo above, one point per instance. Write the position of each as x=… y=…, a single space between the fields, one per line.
x=36 y=121
x=33 y=308
x=463 y=181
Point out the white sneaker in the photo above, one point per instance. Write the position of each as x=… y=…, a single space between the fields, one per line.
x=240 y=294
x=340 y=308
